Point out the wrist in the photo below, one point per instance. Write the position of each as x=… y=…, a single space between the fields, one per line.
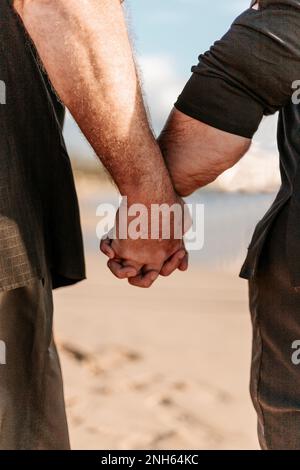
x=149 y=184
x=151 y=192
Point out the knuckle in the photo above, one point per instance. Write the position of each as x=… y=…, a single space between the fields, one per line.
x=164 y=273
x=147 y=285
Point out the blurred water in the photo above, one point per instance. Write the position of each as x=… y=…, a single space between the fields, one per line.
x=229 y=222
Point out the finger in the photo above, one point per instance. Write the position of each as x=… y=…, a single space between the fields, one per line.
x=184 y=263
x=144 y=280
x=173 y=263
x=121 y=272
x=105 y=247
x=132 y=264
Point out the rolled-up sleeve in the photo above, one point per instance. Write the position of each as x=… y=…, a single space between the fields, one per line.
x=248 y=73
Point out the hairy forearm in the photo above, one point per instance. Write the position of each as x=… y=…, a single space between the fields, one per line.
x=86 y=52
x=195 y=153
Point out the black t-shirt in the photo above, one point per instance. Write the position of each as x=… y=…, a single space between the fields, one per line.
x=266 y=3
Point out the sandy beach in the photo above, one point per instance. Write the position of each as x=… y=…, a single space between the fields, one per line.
x=165 y=368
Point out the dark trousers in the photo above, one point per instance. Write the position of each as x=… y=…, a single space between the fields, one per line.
x=275 y=375
x=32 y=411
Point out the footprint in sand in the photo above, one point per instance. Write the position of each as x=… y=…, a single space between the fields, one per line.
x=175 y=415
x=105 y=360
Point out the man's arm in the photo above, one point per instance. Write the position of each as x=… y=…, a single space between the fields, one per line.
x=86 y=52
x=245 y=75
x=196 y=153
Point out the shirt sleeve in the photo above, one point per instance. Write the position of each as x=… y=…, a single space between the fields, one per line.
x=247 y=74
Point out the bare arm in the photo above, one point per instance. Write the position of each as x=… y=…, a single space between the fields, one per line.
x=195 y=153
x=85 y=49
x=86 y=52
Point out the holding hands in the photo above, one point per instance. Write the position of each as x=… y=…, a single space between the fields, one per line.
x=140 y=248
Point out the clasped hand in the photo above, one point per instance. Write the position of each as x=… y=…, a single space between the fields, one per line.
x=147 y=253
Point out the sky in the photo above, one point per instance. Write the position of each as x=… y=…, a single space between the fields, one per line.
x=168 y=36
x=180 y=29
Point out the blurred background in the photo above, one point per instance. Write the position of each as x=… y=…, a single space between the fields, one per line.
x=167 y=368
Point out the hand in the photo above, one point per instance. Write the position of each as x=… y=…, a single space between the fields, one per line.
x=141 y=260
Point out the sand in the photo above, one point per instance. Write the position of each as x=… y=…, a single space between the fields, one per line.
x=165 y=368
